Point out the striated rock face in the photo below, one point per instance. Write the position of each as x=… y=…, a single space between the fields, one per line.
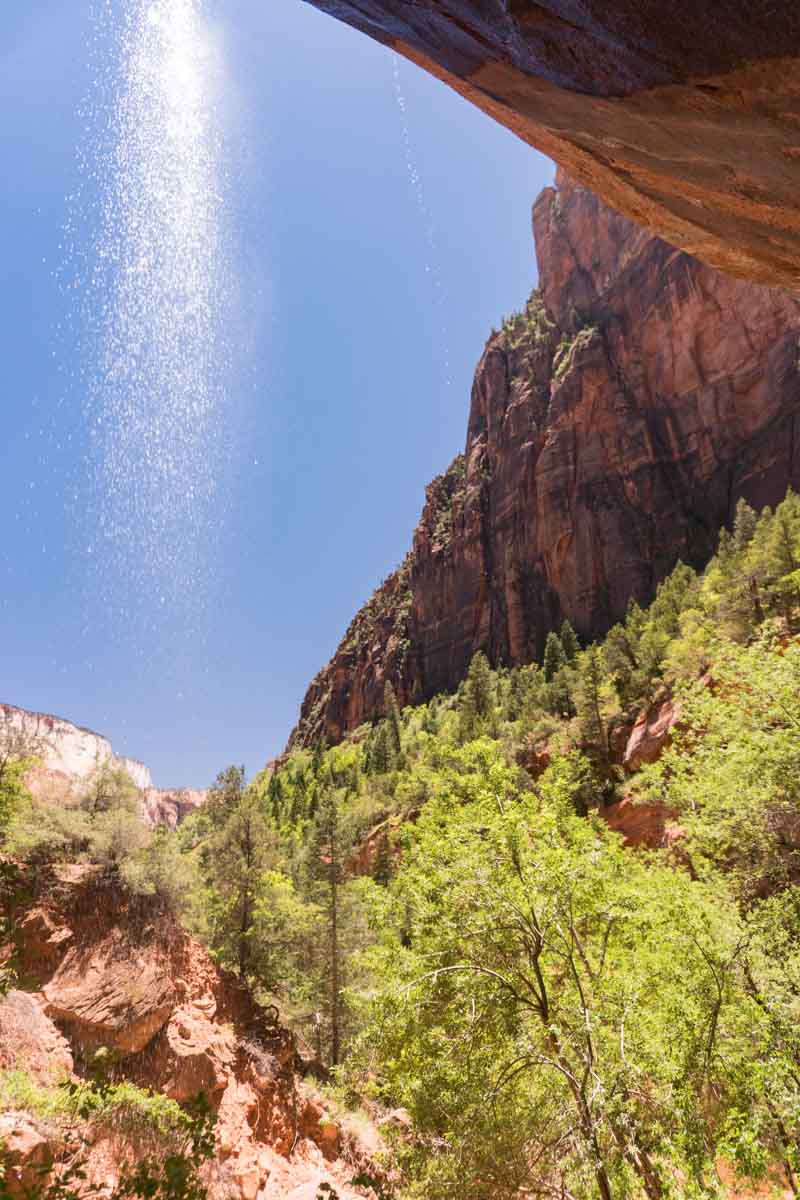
x=614 y=425
x=650 y=735
x=67 y=756
x=684 y=116
x=66 y=750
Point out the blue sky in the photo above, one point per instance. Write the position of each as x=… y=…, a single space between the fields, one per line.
x=369 y=271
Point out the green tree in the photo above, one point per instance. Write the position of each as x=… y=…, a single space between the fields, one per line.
x=17 y=755
x=523 y=1021
x=477 y=699
x=744 y=525
x=328 y=869
x=383 y=868
x=594 y=704
x=569 y=642
x=234 y=860
x=392 y=716
x=554 y=656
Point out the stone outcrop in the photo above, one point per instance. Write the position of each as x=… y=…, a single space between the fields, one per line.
x=67 y=756
x=65 y=751
x=104 y=968
x=650 y=735
x=169 y=806
x=684 y=116
x=643 y=824
x=25 y=1152
x=614 y=424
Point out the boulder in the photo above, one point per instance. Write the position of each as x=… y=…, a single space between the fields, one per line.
x=195 y=1054
x=29 y=1039
x=24 y=1151
x=111 y=992
x=653 y=826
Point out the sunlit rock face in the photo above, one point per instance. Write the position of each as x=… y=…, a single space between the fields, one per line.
x=169 y=806
x=64 y=749
x=67 y=757
x=684 y=116
x=614 y=425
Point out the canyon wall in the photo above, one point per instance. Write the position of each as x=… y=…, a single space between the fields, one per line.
x=64 y=749
x=614 y=424
x=67 y=757
x=684 y=116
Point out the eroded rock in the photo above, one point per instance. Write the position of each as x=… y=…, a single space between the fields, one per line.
x=30 y=1040
x=24 y=1150
x=111 y=993
x=650 y=735
x=683 y=116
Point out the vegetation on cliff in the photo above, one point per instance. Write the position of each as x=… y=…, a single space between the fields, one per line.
x=440 y=908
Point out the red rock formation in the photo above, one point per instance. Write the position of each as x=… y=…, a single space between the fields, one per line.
x=120 y=971
x=169 y=806
x=684 y=116
x=650 y=735
x=614 y=424
x=643 y=824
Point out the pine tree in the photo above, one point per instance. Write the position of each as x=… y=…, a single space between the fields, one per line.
x=318 y=757
x=298 y=807
x=554 y=656
x=275 y=797
x=476 y=699
x=590 y=703
x=392 y=713
x=569 y=642
x=744 y=525
x=782 y=556
x=380 y=750
x=383 y=868
x=328 y=869
x=236 y=857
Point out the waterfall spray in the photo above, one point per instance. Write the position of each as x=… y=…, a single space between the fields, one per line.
x=157 y=296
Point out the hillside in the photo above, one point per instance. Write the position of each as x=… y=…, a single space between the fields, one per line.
x=541 y=932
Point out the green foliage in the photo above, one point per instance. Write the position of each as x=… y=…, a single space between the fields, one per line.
x=13 y=793
x=569 y=642
x=560 y=1015
x=102 y=824
x=236 y=855
x=477 y=700
x=174 y=1141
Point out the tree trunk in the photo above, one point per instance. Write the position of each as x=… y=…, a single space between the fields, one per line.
x=335 y=1035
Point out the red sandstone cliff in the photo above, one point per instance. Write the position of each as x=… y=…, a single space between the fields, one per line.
x=613 y=426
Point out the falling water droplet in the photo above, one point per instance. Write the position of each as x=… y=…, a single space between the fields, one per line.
x=156 y=298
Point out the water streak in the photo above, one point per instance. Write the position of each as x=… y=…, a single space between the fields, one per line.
x=432 y=267
x=157 y=297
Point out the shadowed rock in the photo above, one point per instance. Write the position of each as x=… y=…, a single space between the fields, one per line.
x=684 y=116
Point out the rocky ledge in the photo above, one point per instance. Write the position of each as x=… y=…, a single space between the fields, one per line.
x=684 y=116
x=614 y=424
